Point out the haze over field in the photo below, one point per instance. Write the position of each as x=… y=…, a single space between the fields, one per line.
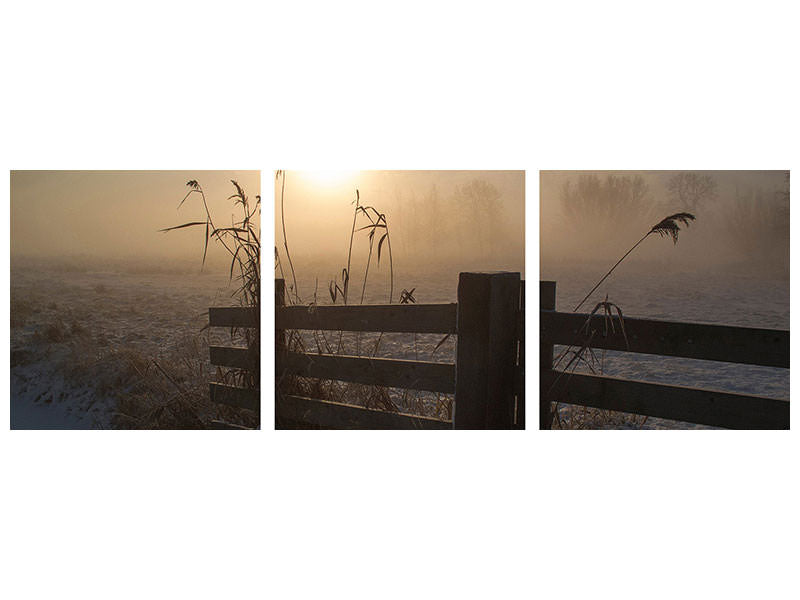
x=592 y=217
x=114 y=216
x=439 y=222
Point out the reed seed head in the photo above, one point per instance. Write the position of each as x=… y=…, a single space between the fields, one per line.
x=669 y=226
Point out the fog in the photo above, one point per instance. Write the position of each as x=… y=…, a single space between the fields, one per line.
x=591 y=218
x=438 y=222
x=84 y=218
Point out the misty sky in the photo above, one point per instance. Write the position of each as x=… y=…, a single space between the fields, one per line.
x=742 y=225
x=456 y=220
x=117 y=214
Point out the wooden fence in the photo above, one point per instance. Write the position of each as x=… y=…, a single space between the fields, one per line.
x=743 y=345
x=236 y=358
x=487 y=377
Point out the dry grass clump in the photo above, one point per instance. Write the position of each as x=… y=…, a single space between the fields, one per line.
x=20 y=356
x=58 y=330
x=169 y=391
x=582 y=354
x=155 y=394
x=21 y=310
x=581 y=417
x=55 y=331
x=242 y=242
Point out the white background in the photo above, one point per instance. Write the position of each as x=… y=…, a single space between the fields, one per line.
x=412 y=85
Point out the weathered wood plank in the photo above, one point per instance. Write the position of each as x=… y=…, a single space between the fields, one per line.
x=236 y=358
x=765 y=347
x=233 y=316
x=519 y=378
x=235 y=396
x=389 y=318
x=321 y=413
x=486 y=350
x=706 y=407
x=280 y=300
x=409 y=374
x=547 y=302
x=280 y=334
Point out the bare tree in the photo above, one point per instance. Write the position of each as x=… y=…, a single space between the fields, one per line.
x=688 y=191
x=757 y=227
x=478 y=202
x=595 y=207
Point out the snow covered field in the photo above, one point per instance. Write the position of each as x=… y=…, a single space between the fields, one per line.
x=82 y=340
x=704 y=297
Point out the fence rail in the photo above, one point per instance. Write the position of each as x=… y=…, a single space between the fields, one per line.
x=387 y=318
x=742 y=345
x=233 y=316
x=486 y=377
x=323 y=413
x=385 y=372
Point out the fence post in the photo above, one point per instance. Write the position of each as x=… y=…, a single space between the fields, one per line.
x=280 y=339
x=521 y=359
x=280 y=300
x=547 y=301
x=486 y=350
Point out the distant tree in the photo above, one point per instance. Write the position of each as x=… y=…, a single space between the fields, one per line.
x=785 y=192
x=757 y=226
x=402 y=210
x=595 y=207
x=480 y=196
x=689 y=191
x=481 y=223
x=432 y=223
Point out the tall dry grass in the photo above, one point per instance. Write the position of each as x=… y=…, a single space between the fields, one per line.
x=144 y=389
x=370 y=231
x=582 y=352
x=242 y=241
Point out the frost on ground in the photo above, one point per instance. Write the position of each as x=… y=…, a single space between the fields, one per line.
x=100 y=349
x=718 y=297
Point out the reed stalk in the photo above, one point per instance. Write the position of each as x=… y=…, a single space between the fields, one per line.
x=666 y=227
x=282 y=175
x=242 y=242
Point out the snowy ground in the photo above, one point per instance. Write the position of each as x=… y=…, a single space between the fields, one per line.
x=64 y=323
x=702 y=297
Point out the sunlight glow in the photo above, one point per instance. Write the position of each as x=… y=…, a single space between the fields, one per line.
x=327 y=178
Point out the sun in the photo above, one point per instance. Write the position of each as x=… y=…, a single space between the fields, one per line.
x=327 y=178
